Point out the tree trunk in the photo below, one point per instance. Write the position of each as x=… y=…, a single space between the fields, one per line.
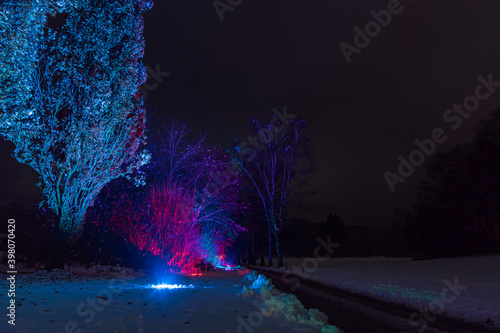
x=252 y=256
x=58 y=249
x=262 y=251
x=270 y=248
x=278 y=251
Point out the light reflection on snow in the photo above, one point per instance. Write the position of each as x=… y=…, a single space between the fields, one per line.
x=163 y=286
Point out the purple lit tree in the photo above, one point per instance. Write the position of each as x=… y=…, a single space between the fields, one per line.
x=72 y=105
x=277 y=168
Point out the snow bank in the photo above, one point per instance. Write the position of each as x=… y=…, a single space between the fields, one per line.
x=278 y=304
x=261 y=281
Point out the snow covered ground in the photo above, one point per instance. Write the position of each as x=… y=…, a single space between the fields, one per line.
x=466 y=288
x=112 y=299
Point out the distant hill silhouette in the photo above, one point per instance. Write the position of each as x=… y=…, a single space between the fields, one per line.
x=299 y=238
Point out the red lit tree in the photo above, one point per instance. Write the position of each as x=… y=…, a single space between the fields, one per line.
x=188 y=216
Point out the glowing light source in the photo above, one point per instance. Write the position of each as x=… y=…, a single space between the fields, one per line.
x=171 y=286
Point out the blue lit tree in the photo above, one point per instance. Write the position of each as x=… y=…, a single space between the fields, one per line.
x=21 y=27
x=71 y=73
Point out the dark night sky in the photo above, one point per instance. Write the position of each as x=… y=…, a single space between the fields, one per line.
x=268 y=54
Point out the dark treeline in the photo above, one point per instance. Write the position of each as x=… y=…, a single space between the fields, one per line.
x=457 y=207
x=456 y=211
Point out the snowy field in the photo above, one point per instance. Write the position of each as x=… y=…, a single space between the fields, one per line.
x=466 y=288
x=108 y=299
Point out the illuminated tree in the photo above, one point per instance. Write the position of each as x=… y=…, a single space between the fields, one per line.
x=21 y=27
x=277 y=169
x=188 y=216
x=73 y=110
